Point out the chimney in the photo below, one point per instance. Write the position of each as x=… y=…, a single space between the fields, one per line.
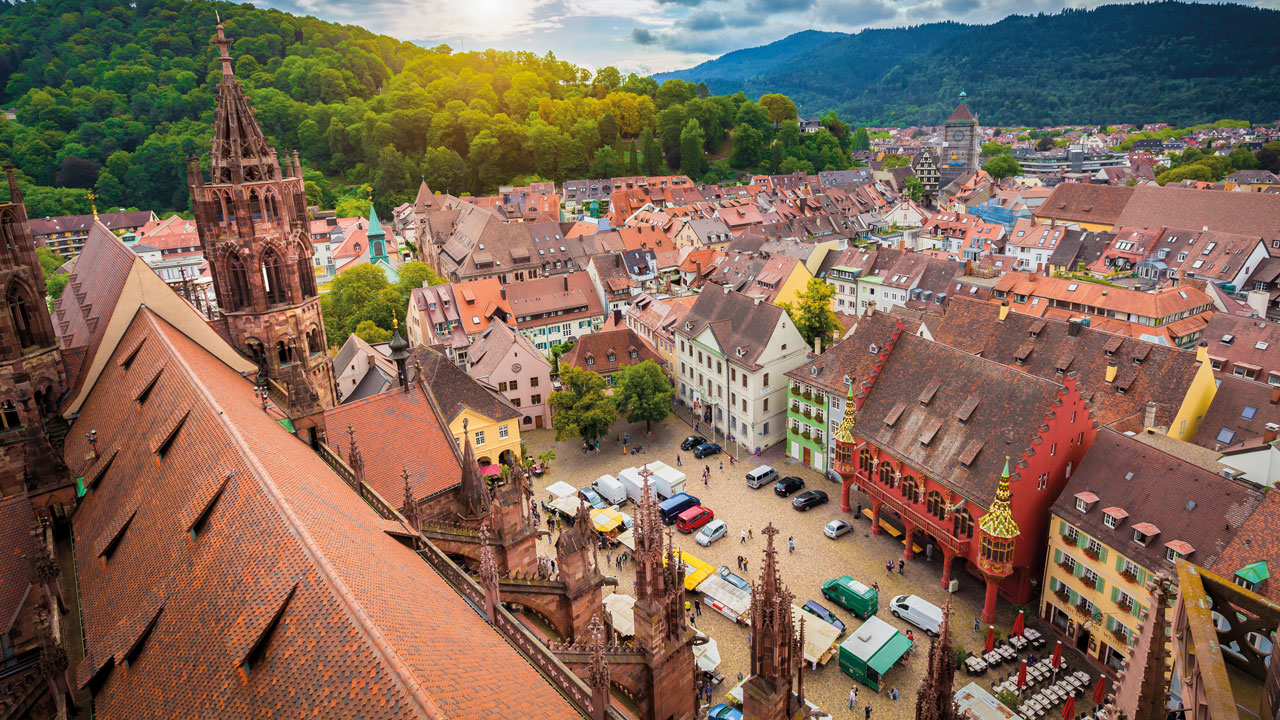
x=1269 y=432
x=756 y=300
x=502 y=292
x=1112 y=369
x=1275 y=394
x=1149 y=416
x=726 y=289
x=1004 y=310
x=1031 y=277
x=1073 y=327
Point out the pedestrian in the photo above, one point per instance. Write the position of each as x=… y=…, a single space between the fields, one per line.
x=893 y=693
x=678 y=461
x=888 y=567
x=721 y=466
x=901 y=564
x=744 y=537
x=744 y=565
x=976 y=625
x=868 y=710
x=553 y=567
x=912 y=639
x=853 y=696
x=876 y=586
x=749 y=534
x=697 y=606
x=928 y=552
x=704 y=480
x=791 y=544
x=859 y=513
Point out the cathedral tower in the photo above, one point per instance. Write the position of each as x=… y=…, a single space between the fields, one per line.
x=32 y=378
x=252 y=219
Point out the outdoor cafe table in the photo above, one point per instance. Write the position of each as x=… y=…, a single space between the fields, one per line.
x=1007 y=652
x=975 y=665
x=1018 y=642
x=993 y=658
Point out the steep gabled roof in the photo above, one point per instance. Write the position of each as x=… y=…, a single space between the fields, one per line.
x=454 y=391
x=740 y=322
x=18 y=541
x=237 y=574
x=962 y=114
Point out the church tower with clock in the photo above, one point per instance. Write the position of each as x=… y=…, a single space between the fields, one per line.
x=961 y=144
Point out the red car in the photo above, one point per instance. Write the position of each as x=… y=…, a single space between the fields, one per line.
x=694 y=518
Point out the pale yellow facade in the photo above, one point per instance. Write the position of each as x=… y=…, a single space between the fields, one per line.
x=489 y=438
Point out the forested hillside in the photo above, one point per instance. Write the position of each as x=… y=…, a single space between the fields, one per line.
x=1144 y=62
x=114 y=97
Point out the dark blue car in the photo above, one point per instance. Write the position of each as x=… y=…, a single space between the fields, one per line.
x=706 y=449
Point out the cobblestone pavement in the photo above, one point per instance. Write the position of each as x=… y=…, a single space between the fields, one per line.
x=815 y=560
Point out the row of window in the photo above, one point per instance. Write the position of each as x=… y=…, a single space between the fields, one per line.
x=533 y=400
x=478 y=435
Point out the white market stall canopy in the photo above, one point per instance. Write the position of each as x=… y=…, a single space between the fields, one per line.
x=820 y=637
x=628 y=539
x=562 y=489
x=707 y=655
x=621 y=613
x=566 y=506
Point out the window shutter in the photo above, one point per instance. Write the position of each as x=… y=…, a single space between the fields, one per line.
x=1111 y=623
x=1137 y=610
x=1075 y=597
x=1102 y=554
x=1057 y=555
x=1079 y=570
x=1119 y=562
x=1101 y=584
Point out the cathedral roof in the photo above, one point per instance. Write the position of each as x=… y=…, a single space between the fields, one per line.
x=233 y=569
x=962 y=115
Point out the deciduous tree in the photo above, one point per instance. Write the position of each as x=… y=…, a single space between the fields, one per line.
x=582 y=409
x=642 y=392
x=812 y=313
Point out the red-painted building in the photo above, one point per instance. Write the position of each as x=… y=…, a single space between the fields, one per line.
x=938 y=439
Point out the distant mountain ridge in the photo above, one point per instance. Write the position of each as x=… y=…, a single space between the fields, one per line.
x=1155 y=62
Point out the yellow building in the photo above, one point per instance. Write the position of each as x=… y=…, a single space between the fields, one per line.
x=1116 y=525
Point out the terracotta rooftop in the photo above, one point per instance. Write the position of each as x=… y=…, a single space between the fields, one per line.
x=1101 y=204
x=1124 y=473
x=454 y=390
x=1244 y=213
x=418 y=442
x=1048 y=349
x=1251 y=342
x=225 y=569
x=1240 y=411
x=742 y=325
x=78 y=224
x=610 y=351
x=18 y=541
x=1160 y=304
x=1256 y=540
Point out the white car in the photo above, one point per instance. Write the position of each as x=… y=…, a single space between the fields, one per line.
x=917 y=611
x=836 y=528
x=711 y=532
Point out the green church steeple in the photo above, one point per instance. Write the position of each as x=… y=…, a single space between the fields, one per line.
x=377 y=238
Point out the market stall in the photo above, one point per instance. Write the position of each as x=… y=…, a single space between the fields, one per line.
x=621 y=613
x=871 y=651
x=821 y=639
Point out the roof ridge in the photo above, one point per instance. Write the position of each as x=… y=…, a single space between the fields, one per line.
x=400 y=669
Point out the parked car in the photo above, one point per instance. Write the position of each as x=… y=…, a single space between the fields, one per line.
x=593 y=498
x=694 y=518
x=733 y=579
x=671 y=508
x=823 y=614
x=761 y=476
x=692 y=442
x=917 y=611
x=711 y=532
x=788 y=485
x=836 y=528
x=809 y=499
x=706 y=450
x=724 y=712
x=852 y=595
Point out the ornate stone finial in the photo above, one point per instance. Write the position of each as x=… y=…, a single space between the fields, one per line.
x=598 y=676
x=488 y=571
x=1141 y=690
x=223 y=43
x=409 y=505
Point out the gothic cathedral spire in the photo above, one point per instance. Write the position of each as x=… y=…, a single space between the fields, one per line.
x=252 y=219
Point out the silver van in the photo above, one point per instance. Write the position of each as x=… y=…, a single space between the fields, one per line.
x=761 y=476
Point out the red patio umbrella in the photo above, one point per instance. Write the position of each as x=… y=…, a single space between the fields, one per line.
x=1022 y=676
x=991 y=638
x=1069 y=709
x=1019 y=625
x=1057 y=655
x=1100 y=692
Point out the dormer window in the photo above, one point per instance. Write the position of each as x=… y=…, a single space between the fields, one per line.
x=1143 y=532
x=1085 y=501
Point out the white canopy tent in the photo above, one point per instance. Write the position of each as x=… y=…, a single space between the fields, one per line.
x=621 y=613
x=562 y=489
x=707 y=655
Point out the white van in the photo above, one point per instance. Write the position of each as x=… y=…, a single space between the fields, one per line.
x=917 y=611
x=611 y=489
x=761 y=476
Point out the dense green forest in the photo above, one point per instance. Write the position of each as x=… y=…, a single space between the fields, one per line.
x=1144 y=62
x=114 y=97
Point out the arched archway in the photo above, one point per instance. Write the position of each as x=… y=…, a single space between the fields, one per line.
x=306 y=274
x=236 y=283
x=22 y=315
x=273 y=278
x=255 y=204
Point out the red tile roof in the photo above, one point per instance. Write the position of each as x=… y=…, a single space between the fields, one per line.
x=597 y=347
x=17 y=542
x=1256 y=540
x=240 y=528
x=419 y=443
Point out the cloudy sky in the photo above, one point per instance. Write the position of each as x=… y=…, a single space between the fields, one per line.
x=644 y=36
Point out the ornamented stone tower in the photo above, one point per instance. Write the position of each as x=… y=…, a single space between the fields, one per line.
x=961 y=146
x=999 y=534
x=252 y=219
x=32 y=378
x=662 y=632
x=776 y=657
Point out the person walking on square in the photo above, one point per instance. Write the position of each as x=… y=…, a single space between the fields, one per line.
x=853 y=696
x=749 y=533
x=679 y=462
x=901 y=564
x=744 y=538
x=868 y=710
x=791 y=544
x=888 y=567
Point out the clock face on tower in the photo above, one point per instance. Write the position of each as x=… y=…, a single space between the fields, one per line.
x=957 y=135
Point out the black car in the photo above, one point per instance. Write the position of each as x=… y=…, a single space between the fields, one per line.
x=706 y=449
x=692 y=442
x=788 y=485
x=809 y=499
x=823 y=614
